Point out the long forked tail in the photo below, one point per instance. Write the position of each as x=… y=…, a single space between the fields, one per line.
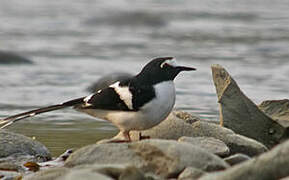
x=11 y=119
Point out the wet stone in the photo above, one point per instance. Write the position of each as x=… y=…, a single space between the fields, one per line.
x=210 y=144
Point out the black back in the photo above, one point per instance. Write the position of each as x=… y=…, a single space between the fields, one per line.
x=107 y=99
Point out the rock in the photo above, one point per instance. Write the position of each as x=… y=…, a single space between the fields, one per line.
x=270 y=165
x=210 y=144
x=49 y=174
x=7 y=175
x=86 y=174
x=187 y=117
x=107 y=80
x=171 y=128
x=278 y=110
x=9 y=166
x=17 y=145
x=15 y=150
x=94 y=171
x=55 y=162
x=12 y=58
x=239 y=113
x=237 y=143
x=174 y=128
x=236 y=159
x=117 y=171
x=161 y=157
x=191 y=173
x=131 y=173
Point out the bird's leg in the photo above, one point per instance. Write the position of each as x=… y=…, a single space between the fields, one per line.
x=126 y=135
x=141 y=137
x=122 y=136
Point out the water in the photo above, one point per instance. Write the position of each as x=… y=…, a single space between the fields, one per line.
x=73 y=43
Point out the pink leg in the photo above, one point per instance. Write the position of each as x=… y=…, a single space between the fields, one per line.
x=121 y=137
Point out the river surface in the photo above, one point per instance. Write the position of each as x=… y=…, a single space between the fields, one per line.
x=72 y=43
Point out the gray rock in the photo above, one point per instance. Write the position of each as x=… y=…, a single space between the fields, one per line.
x=174 y=128
x=86 y=174
x=270 y=165
x=236 y=159
x=239 y=113
x=171 y=128
x=115 y=171
x=162 y=157
x=191 y=173
x=48 y=174
x=7 y=175
x=132 y=173
x=9 y=166
x=12 y=58
x=187 y=117
x=15 y=145
x=17 y=160
x=118 y=171
x=210 y=144
x=94 y=171
x=278 y=110
x=107 y=80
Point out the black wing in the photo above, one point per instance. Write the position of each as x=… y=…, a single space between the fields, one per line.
x=141 y=95
x=106 y=99
x=109 y=99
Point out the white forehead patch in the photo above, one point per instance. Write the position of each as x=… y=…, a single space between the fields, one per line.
x=171 y=62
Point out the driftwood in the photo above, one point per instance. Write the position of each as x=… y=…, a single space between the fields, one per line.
x=239 y=113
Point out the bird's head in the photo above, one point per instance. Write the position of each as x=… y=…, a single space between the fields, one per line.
x=162 y=69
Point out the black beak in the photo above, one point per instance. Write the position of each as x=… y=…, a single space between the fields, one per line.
x=184 y=68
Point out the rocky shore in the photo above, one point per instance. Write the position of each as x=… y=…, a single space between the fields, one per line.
x=251 y=142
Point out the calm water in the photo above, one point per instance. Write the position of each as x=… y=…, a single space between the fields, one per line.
x=72 y=43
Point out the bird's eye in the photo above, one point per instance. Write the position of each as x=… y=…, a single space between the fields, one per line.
x=169 y=62
x=163 y=64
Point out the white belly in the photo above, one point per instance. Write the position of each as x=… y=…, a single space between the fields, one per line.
x=148 y=116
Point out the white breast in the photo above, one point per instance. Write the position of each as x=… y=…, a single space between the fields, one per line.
x=159 y=108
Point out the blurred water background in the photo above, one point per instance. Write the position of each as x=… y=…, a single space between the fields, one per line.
x=73 y=43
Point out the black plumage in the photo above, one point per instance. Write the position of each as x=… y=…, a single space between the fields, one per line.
x=106 y=99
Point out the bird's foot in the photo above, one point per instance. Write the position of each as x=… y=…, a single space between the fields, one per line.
x=121 y=137
x=141 y=137
x=119 y=141
x=113 y=140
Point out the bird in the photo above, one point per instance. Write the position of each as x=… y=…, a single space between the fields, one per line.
x=139 y=102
